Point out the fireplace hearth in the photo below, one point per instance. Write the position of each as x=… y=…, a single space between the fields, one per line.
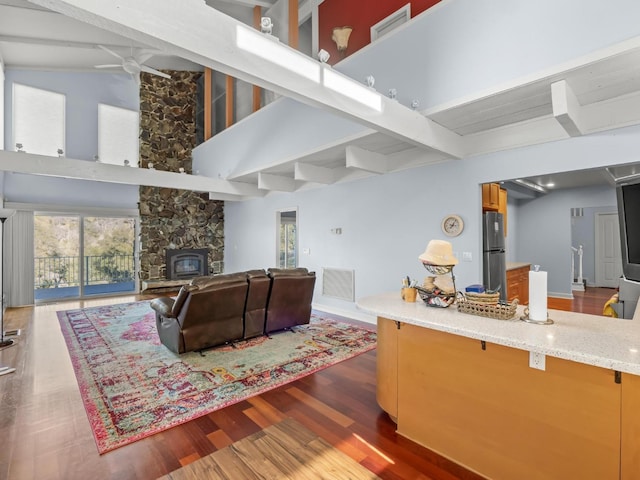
x=186 y=263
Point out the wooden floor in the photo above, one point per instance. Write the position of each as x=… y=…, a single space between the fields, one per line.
x=592 y=300
x=45 y=434
x=285 y=450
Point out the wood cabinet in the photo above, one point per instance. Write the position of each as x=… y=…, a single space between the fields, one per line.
x=490 y=197
x=502 y=208
x=481 y=405
x=630 y=459
x=494 y=199
x=518 y=284
x=387 y=367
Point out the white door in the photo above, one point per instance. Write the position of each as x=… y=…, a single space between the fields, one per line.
x=608 y=258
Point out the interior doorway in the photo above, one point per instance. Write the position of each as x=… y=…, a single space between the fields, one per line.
x=608 y=263
x=287 y=238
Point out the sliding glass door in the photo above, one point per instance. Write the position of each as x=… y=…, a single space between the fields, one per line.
x=57 y=257
x=108 y=255
x=78 y=256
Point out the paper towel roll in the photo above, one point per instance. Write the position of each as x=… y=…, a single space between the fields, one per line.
x=538 y=295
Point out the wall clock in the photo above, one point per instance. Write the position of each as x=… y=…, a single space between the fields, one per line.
x=452 y=225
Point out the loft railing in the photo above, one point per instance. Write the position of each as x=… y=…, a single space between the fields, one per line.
x=54 y=272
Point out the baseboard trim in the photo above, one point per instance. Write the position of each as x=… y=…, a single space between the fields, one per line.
x=559 y=303
x=361 y=316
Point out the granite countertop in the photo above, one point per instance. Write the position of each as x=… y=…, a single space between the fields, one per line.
x=605 y=342
x=514 y=265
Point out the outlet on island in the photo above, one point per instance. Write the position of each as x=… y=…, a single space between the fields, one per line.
x=537 y=360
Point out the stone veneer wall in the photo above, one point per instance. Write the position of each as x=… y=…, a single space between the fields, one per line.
x=172 y=218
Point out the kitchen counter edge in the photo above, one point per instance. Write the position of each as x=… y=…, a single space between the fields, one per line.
x=600 y=341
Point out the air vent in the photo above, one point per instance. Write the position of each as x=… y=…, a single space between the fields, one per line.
x=397 y=18
x=338 y=283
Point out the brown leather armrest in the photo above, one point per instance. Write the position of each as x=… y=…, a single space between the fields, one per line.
x=163 y=306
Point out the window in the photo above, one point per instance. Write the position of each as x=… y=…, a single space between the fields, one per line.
x=117 y=135
x=287 y=223
x=1 y=104
x=38 y=120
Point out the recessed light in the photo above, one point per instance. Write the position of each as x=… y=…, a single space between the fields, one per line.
x=550 y=185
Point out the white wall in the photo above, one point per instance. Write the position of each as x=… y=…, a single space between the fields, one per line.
x=460 y=47
x=583 y=232
x=388 y=220
x=513 y=216
x=83 y=91
x=544 y=232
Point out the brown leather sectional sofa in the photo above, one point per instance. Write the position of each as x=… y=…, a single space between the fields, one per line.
x=226 y=308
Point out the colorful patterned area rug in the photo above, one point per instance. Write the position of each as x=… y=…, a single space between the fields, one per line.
x=132 y=386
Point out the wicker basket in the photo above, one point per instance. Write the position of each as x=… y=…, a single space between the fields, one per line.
x=487 y=298
x=484 y=309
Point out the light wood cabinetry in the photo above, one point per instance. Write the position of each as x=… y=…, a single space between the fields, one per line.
x=486 y=409
x=630 y=458
x=494 y=199
x=490 y=197
x=387 y=367
x=518 y=284
x=502 y=208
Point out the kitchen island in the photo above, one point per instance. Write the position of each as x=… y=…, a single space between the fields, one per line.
x=462 y=385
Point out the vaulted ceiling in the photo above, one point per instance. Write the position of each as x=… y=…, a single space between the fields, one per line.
x=34 y=37
x=594 y=93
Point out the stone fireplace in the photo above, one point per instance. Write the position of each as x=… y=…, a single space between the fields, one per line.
x=172 y=219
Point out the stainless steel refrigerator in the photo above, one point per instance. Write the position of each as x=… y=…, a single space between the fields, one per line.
x=493 y=252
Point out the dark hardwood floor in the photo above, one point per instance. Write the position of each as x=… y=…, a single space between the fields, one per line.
x=45 y=433
x=592 y=300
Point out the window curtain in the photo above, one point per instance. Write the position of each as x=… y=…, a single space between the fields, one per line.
x=18 y=273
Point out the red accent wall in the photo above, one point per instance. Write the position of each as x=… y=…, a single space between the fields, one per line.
x=354 y=13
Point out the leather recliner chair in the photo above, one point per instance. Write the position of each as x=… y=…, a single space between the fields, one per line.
x=206 y=313
x=289 y=299
x=256 y=308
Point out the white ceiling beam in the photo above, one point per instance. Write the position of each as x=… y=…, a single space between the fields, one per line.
x=50 y=42
x=566 y=108
x=312 y=173
x=278 y=183
x=362 y=159
x=197 y=32
x=247 y=3
x=522 y=134
x=230 y=198
x=617 y=112
x=43 y=165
